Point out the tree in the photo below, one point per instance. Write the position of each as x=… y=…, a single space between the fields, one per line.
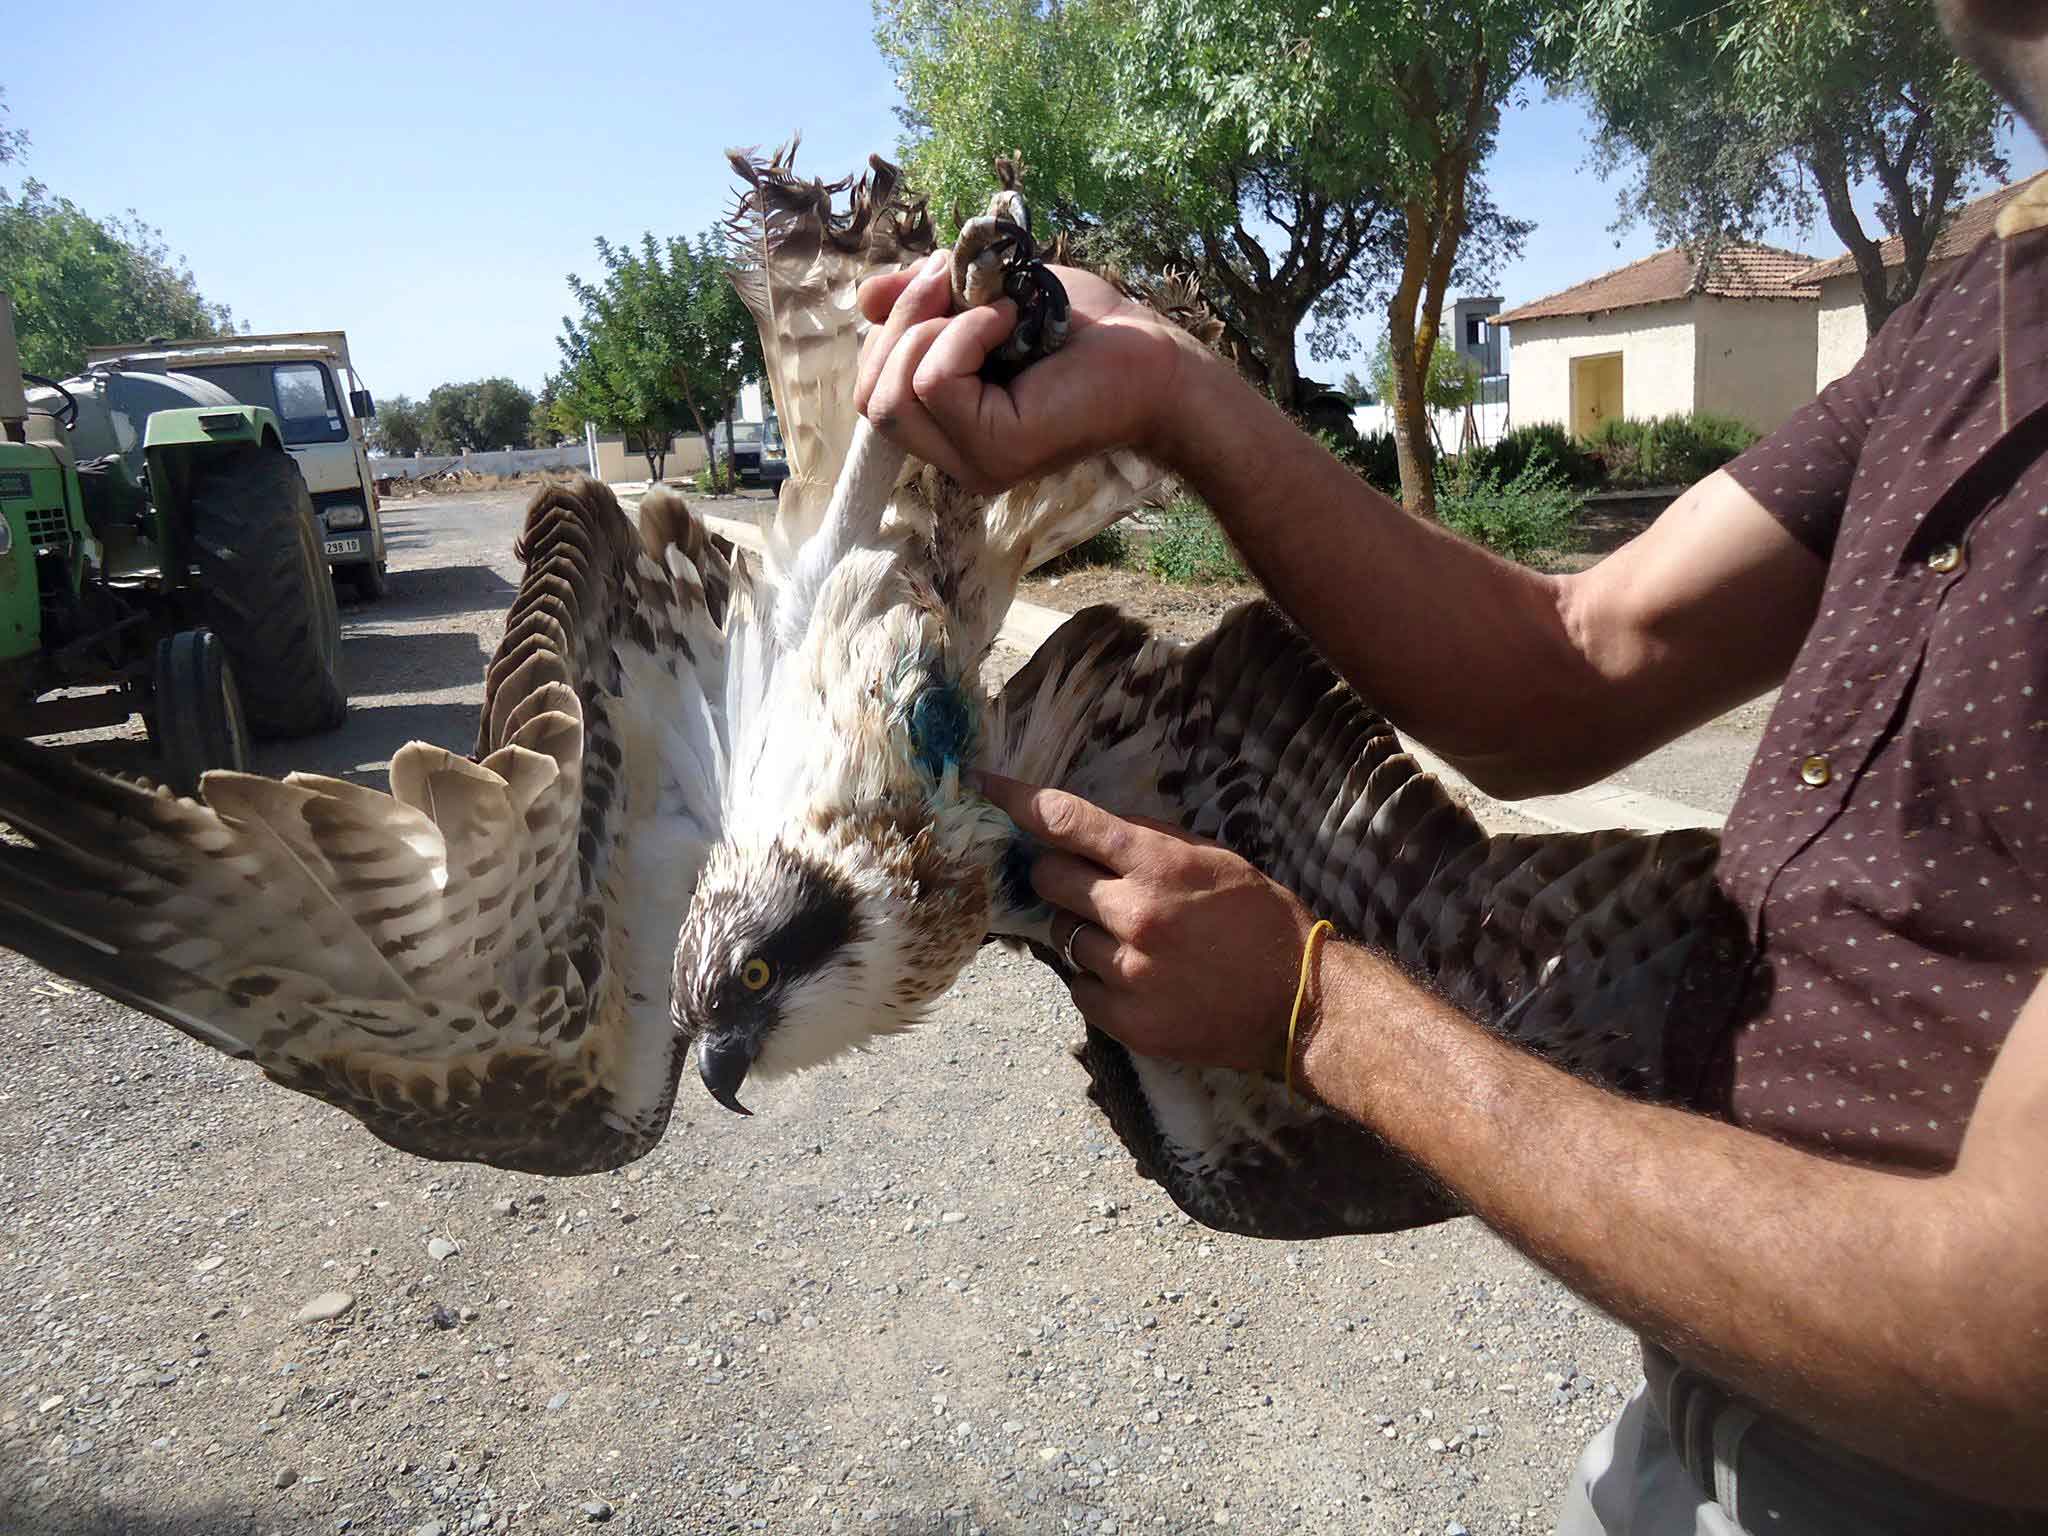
x=78 y=281
x=1163 y=136
x=663 y=340
x=1450 y=384
x=1297 y=159
x=1733 y=119
x=399 y=427
x=479 y=417
x=1450 y=65
x=12 y=140
x=551 y=425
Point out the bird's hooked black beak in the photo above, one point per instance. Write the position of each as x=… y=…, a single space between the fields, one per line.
x=722 y=1061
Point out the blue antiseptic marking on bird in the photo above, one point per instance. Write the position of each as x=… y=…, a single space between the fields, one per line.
x=941 y=728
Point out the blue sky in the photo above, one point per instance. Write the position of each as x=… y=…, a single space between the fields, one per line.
x=423 y=176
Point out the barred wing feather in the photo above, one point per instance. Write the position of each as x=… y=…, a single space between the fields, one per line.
x=1574 y=946
x=475 y=965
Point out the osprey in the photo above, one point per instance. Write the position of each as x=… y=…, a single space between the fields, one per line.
x=714 y=812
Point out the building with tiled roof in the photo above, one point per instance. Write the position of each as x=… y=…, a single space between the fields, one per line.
x=1669 y=335
x=1842 y=332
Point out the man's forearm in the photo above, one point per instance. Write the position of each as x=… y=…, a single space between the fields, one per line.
x=1877 y=1309
x=1463 y=649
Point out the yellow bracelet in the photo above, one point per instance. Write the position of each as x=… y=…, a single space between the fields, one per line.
x=1308 y=958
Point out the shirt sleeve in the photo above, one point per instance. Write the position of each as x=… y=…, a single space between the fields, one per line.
x=1801 y=473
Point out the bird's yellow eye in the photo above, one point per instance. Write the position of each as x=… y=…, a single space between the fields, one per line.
x=756 y=974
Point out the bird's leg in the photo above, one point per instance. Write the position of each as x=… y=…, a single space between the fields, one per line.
x=995 y=258
x=853 y=518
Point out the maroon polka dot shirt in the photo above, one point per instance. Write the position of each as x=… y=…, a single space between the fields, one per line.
x=1890 y=847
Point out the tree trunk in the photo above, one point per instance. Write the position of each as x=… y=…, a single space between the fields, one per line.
x=732 y=463
x=1412 y=447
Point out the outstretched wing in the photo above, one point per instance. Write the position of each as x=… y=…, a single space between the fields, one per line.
x=1573 y=946
x=475 y=965
x=801 y=255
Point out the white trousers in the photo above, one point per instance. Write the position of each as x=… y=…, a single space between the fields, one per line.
x=1630 y=1482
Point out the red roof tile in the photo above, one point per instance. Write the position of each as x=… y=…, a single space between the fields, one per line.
x=1971 y=224
x=1738 y=271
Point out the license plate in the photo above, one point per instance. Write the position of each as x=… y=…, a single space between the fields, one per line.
x=344 y=546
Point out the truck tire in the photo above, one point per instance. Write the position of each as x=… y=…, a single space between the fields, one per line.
x=195 y=715
x=267 y=591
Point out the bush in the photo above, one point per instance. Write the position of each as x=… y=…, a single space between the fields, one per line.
x=1540 y=443
x=713 y=480
x=1519 y=517
x=1669 y=450
x=1111 y=547
x=1370 y=455
x=1188 y=547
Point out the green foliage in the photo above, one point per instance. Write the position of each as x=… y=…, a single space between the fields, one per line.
x=1378 y=459
x=1520 y=517
x=1733 y=118
x=1111 y=547
x=663 y=342
x=1188 y=547
x=714 y=479
x=399 y=427
x=1224 y=138
x=1543 y=442
x=1669 y=450
x=1451 y=384
x=482 y=416
x=13 y=142
x=78 y=281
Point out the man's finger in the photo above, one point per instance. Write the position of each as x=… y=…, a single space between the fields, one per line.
x=878 y=295
x=896 y=411
x=928 y=295
x=1067 y=821
x=1076 y=886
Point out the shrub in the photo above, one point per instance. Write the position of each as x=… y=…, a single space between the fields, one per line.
x=1669 y=450
x=1188 y=547
x=1519 y=517
x=1111 y=547
x=1542 y=442
x=1377 y=459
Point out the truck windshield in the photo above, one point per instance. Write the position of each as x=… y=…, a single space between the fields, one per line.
x=302 y=395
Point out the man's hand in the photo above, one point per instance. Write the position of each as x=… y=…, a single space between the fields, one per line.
x=1110 y=386
x=1185 y=950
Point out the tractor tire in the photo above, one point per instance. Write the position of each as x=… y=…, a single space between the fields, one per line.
x=368 y=581
x=268 y=593
x=195 y=715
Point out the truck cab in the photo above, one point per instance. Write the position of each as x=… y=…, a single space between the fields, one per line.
x=306 y=380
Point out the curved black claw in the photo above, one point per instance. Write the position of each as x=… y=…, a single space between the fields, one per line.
x=1042 y=309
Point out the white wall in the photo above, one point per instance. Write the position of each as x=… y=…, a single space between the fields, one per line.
x=1657 y=360
x=1841 y=333
x=1754 y=358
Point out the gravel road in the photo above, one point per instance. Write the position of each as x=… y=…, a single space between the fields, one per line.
x=920 y=1292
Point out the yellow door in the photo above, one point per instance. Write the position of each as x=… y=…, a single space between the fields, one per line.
x=1596 y=392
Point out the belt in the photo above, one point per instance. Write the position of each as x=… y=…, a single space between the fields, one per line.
x=1771 y=1476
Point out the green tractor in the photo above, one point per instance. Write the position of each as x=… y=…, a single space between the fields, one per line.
x=159 y=555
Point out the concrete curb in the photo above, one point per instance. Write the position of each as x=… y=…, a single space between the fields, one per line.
x=1596 y=808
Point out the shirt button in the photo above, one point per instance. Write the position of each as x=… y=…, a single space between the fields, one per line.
x=1945 y=559
x=1814 y=771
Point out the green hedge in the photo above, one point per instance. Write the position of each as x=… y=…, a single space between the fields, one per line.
x=1521 y=516
x=1189 y=549
x=1668 y=450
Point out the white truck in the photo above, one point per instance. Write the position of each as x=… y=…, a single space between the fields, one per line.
x=306 y=379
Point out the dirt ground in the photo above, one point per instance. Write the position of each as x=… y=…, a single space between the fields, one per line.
x=921 y=1291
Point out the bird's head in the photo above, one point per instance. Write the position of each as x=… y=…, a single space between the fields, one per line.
x=843 y=917
x=831 y=935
